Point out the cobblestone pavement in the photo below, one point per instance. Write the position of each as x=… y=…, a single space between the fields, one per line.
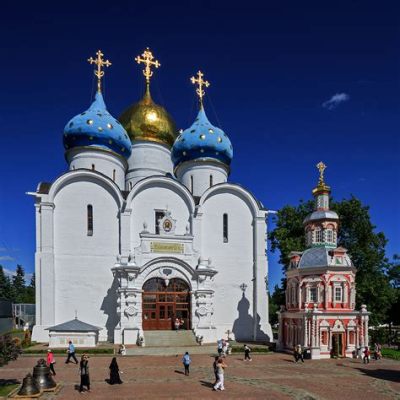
x=273 y=376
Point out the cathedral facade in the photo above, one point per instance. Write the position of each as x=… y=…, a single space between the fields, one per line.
x=144 y=228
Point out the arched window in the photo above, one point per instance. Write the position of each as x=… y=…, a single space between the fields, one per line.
x=113 y=174
x=90 y=220
x=225 y=227
x=93 y=167
x=329 y=235
x=211 y=180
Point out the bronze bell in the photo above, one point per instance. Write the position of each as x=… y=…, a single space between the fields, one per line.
x=42 y=376
x=29 y=387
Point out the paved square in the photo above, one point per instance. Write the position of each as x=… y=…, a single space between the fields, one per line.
x=273 y=376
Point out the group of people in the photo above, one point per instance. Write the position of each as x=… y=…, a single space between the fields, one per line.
x=222 y=347
x=84 y=367
x=179 y=323
x=367 y=353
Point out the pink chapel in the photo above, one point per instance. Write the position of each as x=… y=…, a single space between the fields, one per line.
x=320 y=310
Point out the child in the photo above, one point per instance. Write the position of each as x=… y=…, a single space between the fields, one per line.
x=247 y=351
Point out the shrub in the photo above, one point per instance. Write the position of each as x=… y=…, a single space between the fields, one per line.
x=391 y=353
x=10 y=349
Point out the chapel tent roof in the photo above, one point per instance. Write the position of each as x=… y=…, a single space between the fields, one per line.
x=73 y=326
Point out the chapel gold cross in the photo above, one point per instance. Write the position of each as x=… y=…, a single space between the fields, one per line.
x=321 y=167
x=100 y=62
x=147 y=59
x=200 y=82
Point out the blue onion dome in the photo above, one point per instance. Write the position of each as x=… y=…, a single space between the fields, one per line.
x=97 y=128
x=202 y=141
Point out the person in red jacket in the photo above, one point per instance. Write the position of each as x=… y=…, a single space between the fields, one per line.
x=50 y=361
x=366 y=356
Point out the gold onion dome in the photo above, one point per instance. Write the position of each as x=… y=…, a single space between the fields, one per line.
x=146 y=120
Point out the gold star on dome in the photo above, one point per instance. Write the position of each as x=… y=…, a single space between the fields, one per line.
x=100 y=62
x=200 y=84
x=147 y=59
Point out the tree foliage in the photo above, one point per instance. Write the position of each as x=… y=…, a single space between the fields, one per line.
x=357 y=234
x=15 y=289
x=10 y=349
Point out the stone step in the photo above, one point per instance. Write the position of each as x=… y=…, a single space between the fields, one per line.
x=169 y=338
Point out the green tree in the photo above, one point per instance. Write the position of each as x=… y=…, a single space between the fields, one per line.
x=275 y=301
x=29 y=295
x=18 y=284
x=10 y=349
x=357 y=234
x=5 y=285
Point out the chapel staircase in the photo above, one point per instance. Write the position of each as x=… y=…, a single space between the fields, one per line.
x=183 y=338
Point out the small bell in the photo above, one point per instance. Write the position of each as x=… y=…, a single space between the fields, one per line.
x=42 y=376
x=29 y=387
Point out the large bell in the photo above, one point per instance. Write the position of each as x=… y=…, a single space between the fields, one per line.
x=42 y=376
x=29 y=387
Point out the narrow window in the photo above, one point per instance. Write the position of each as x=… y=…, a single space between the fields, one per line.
x=338 y=294
x=191 y=183
x=211 y=180
x=93 y=167
x=158 y=216
x=130 y=185
x=114 y=175
x=225 y=228
x=329 y=235
x=312 y=295
x=318 y=235
x=90 y=220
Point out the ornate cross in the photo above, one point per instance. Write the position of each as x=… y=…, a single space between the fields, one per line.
x=147 y=59
x=200 y=82
x=321 y=167
x=100 y=62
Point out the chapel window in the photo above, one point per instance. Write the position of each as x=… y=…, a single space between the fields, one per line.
x=90 y=220
x=312 y=295
x=93 y=167
x=158 y=216
x=114 y=175
x=318 y=235
x=191 y=183
x=211 y=180
x=225 y=227
x=329 y=235
x=338 y=294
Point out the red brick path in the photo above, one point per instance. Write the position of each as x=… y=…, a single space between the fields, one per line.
x=272 y=376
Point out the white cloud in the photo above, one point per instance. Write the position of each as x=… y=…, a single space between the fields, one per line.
x=335 y=100
x=6 y=258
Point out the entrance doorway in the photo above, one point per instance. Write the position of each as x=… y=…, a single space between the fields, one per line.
x=163 y=304
x=337 y=345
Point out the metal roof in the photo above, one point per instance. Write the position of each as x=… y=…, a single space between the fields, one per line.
x=74 y=326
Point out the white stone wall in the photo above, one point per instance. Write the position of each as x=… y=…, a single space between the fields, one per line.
x=147 y=159
x=198 y=176
x=106 y=162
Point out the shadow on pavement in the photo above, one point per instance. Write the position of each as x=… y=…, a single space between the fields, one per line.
x=385 y=374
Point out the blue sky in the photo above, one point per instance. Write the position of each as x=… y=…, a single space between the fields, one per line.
x=292 y=83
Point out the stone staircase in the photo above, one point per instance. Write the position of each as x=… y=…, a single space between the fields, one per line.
x=183 y=338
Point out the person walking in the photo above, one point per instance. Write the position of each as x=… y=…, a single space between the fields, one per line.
x=219 y=347
x=50 y=361
x=366 y=356
x=84 y=373
x=215 y=369
x=247 y=351
x=71 y=353
x=220 y=373
x=186 y=360
x=114 y=372
x=298 y=353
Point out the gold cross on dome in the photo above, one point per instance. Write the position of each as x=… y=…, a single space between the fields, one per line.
x=100 y=62
x=321 y=167
x=147 y=59
x=200 y=83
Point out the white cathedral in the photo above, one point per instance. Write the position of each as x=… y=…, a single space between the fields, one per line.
x=145 y=228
